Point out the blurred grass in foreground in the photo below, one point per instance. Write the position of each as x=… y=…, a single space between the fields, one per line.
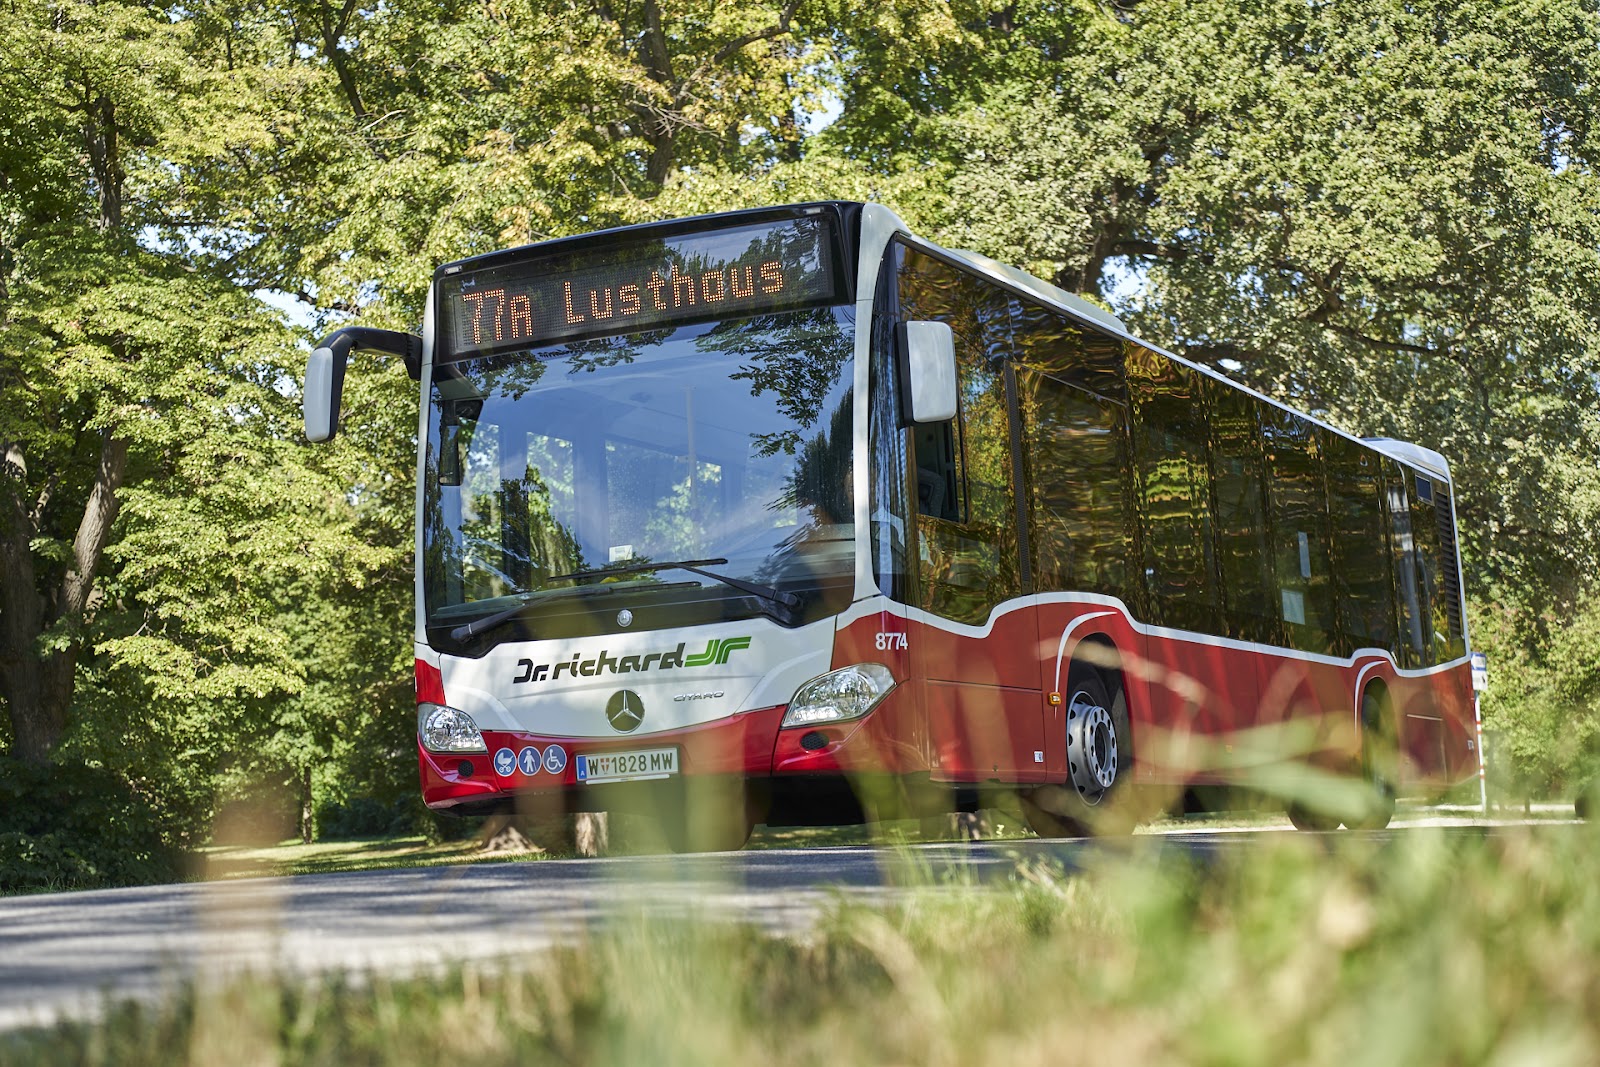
x=377 y=853
x=1337 y=949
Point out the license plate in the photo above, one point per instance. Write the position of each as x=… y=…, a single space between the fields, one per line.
x=640 y=765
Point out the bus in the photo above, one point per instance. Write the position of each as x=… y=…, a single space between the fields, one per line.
x=791 y=516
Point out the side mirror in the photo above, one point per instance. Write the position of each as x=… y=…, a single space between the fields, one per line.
x=323 y=392
x=929 y=370
x=324 y=387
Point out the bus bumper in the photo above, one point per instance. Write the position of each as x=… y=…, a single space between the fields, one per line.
x=750 y=744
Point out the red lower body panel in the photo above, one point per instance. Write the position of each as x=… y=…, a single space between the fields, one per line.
x=976 y=705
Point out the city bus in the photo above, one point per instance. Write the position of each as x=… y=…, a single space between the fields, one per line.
x=792 y=516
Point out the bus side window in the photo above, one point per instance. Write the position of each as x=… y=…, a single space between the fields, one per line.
x=966 y=526
x=1074 y=411
x=1173 y=492
x=939 y=493
x=1430 y=571
x=1244 y=549
x=1298 y=495
x=1363 y=583
x=1450 y=571
x=1412 y=647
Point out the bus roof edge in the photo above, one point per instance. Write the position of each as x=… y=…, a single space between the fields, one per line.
x=1414 y=454
x=1072 y=301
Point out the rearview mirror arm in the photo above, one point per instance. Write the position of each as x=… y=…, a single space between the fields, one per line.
x=324 y=386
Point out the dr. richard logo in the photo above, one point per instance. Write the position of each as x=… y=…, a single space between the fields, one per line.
x=716 y=653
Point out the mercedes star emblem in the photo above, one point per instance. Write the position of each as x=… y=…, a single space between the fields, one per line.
x=624 y=711
x=624 y=617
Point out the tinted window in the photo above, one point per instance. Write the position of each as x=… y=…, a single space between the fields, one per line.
x=1298 y=501
x=1172 y=492
x=1244 y=548
x=967 y=513
x=1412 y=645
x=1075 y=419
x=1450 y=569
x=1363 y=584
x=1430 y=569
x=889 y=508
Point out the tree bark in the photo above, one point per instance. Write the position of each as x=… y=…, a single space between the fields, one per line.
x=37 y=685
x=305 y=806
x=100 y=138
x=333 y=29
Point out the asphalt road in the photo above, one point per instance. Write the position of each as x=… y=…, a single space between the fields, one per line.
x=65 y=953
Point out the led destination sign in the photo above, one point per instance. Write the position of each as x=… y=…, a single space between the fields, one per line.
x=717 y=274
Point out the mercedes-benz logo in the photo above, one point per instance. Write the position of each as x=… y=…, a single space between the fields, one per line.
x=624 y=617
x=624 y=711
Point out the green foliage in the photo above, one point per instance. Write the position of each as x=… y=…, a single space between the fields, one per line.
x=1451 y=950
x=1543 y=703
x=72 y=826
x=1382 y=211
x=364 y=816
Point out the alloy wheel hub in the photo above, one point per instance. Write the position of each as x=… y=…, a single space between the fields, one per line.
x=1091 y=748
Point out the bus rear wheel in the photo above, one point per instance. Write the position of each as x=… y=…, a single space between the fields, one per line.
x=1093 y=801
x=1380 y=763
x=1311 y=819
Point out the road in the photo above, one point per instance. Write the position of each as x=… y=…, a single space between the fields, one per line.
x=62 y=954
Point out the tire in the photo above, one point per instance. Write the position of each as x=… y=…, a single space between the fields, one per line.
x=708 y=815
x=1380 y=762
x=1095 y=798
x=1311 y=820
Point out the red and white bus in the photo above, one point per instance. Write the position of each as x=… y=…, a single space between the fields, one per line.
x=795 y=513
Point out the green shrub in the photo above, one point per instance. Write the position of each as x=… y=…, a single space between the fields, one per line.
x=368 y=817
x=72 y=826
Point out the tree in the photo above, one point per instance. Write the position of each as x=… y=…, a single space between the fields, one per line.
x=84 y=363
x=155 y=499
x=1383 y=212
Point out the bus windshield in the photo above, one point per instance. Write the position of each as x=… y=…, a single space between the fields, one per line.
x=704 y=443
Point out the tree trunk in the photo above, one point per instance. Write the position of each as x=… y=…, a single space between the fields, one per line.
x=333 y=29
x=305 y=806
x=38 y=688
x=591 y=833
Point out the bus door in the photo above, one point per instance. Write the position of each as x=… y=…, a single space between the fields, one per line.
x=975 y=654
x=1073 y=404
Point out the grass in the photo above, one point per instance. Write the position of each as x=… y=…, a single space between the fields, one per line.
x=323 y=857
x=293 y=857
x=364 y=854
x=1325 y=949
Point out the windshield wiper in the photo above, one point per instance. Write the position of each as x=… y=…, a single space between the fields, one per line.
x=785 y=602
x=466 y=632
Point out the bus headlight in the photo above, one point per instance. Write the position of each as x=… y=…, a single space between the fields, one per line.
x=838 y=696
x=445 y=729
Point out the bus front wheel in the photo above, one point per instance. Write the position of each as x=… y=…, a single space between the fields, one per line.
x=709 y=815
x=1094 y=800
